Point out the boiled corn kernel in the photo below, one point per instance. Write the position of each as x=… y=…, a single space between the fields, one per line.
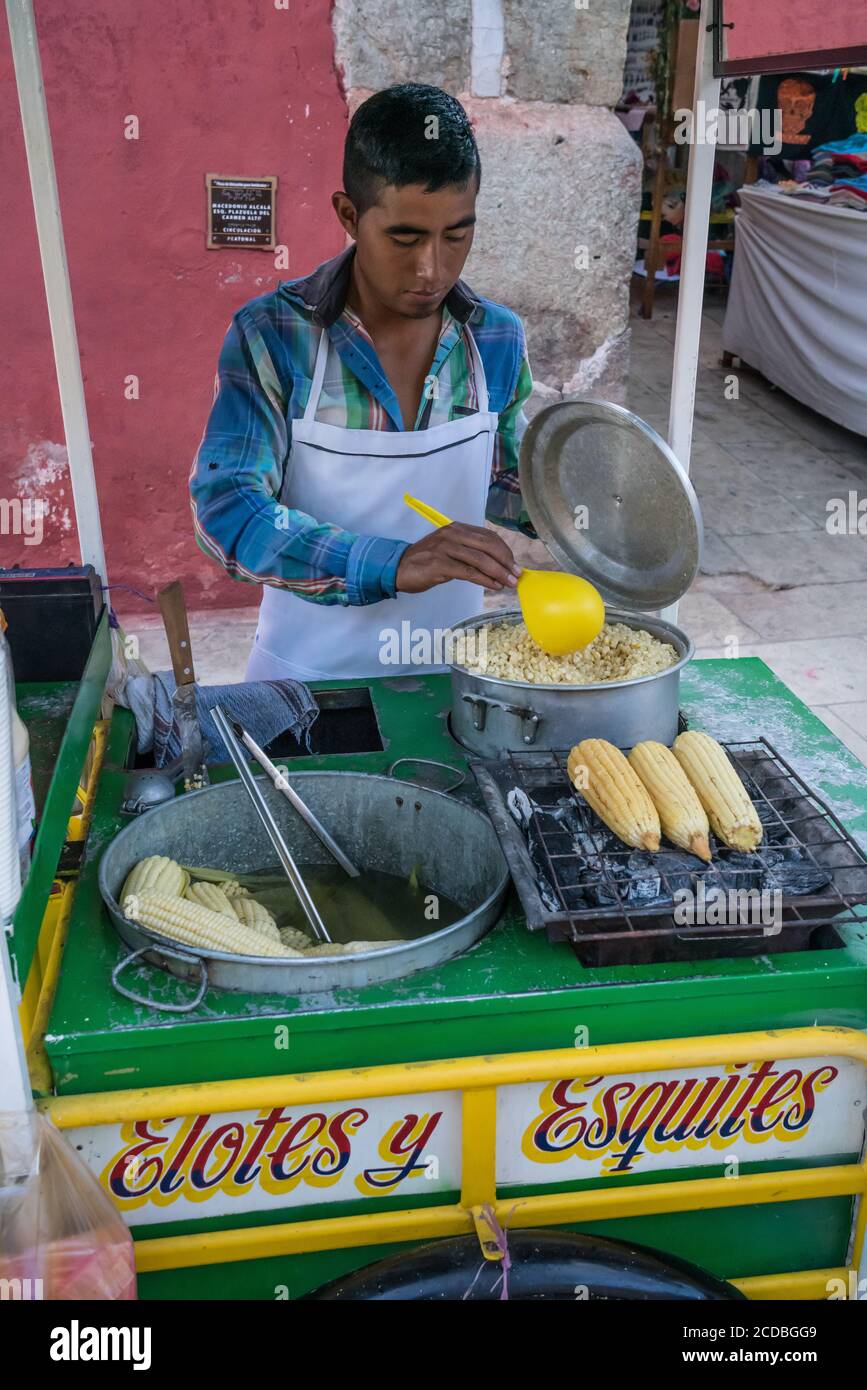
x=506 y=651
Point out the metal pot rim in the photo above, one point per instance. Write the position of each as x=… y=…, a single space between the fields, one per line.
x=326 y=962
x=643 y=621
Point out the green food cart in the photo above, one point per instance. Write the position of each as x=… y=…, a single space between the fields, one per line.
x=709 y=1109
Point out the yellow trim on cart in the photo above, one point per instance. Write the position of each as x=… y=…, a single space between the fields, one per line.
x=79 y=822
x=478 y=1078
x=37 y=1059
x=801 y=1284
x=45 y=967
x=454 y=1074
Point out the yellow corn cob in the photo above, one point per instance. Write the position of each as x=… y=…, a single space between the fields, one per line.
x=156 y=874
x=681 y=814
x=291 y=936
x=255 y=916
x=604 y=778
x=346 y=948
x=731 y=813
x=211 y=895
x=197 y=926
x=222 y=877
x=234 y=889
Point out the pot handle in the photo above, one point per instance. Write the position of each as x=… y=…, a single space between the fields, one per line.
x=528 y=718
x=152 y=1003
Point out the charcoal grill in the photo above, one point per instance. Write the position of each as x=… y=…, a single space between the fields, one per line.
x=580 y=884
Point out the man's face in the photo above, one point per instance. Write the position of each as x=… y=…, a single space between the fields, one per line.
x=412 y=245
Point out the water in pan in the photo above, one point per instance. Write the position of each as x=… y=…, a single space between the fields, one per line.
x=375 y=906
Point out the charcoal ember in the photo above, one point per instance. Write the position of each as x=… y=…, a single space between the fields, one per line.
x=644 y=884
x=785 y=845
x=606 y=881
x=557 y=841
x=681 y=871
x=571 y=873
x=797 y=880
x=571 y=817
x=739 y=870
x=586 y=846
x=774 y=820
x=549 y=898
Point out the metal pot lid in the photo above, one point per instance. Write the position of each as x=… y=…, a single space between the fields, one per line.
x=611 y=502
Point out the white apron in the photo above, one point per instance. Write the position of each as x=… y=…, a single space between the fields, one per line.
x=356 y=479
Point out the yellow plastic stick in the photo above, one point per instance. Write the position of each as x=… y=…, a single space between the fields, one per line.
x=429 y=513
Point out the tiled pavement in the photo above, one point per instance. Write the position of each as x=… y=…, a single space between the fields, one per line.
x=774 y=583
x=773 y=577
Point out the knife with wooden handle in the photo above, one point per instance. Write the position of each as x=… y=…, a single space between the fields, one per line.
x=174 y=611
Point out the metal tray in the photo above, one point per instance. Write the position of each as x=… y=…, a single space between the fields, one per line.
x=626 y=933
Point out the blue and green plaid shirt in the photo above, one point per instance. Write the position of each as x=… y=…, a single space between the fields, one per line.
x=263 y=382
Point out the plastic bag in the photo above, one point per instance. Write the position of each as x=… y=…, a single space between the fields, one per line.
x=60 y=1236
x=126 y=664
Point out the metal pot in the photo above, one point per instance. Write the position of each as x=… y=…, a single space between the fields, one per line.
x=381 y=823
x=491 y=716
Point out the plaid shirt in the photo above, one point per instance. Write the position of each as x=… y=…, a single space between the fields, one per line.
x=263 y=382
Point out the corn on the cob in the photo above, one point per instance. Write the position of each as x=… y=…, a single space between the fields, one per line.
x=234 y=889
x=731 y=813
x=604 y=778
x=291 y=936
x=197 y=926
x=156 y=874
x=211 y=895
x=255 y=916
x=224 y=877
x=346 y=948
x=681 y=814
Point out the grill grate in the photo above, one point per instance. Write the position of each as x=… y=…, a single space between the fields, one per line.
x=618 y=906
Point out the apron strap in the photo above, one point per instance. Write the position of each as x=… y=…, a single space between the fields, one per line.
x=478 y=366
x=318 y=377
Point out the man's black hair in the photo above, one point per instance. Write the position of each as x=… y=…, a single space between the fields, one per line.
x=412 y=133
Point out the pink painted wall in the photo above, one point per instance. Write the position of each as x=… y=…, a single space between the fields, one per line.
x=235 y=87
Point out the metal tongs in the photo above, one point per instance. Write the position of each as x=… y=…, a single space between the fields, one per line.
x=304 y=811
x=254 y=792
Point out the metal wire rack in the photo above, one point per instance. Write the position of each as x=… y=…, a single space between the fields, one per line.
x=619 y=906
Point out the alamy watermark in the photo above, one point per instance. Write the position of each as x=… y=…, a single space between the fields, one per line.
x=424 y=646
x=23 y=516
x=719 y=907
x=711 y=125
x=846 y=516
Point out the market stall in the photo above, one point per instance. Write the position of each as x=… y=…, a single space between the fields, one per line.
x=796 y=304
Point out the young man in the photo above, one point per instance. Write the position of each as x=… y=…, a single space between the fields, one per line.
x=381 y=373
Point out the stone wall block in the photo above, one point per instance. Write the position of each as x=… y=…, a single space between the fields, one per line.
x=557 y=52
x=379 y=43
x=558 y=208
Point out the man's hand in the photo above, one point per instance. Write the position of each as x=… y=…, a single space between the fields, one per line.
x=457 y=552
